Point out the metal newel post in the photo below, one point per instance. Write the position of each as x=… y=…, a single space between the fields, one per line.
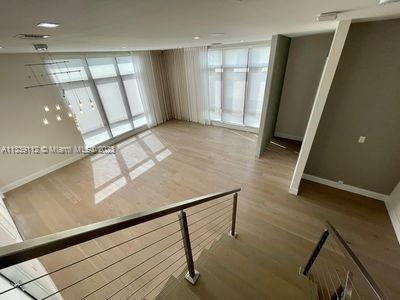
x=192 y=275
x=315 y=253
x=234 y=209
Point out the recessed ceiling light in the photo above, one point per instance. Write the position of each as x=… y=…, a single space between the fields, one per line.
x=123 y=47
x=1 y=47
x=48 y=25
x=217 y=34
x=386 y=1
x=196 y=37
x=242 y=41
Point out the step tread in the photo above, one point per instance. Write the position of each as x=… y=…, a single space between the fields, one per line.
x=175 y=290
x=255 y=276
x=209 y=286
x=229 y=247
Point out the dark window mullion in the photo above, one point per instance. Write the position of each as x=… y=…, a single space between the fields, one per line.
x=97 y=97
x=222 y=85
x=246 y=85
x=123 y=93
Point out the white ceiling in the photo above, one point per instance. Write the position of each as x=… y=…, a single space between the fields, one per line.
x=110 y=25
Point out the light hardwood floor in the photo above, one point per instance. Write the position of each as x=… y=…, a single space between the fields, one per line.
x=180 y=160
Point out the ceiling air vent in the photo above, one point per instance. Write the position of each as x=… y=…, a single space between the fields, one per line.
x=31 y=36
x=327 y=16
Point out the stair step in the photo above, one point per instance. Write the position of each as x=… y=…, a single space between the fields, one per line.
x=237 y=249
x=276 y=242
x=257 y=274
x=210 y=285
x=176 y=290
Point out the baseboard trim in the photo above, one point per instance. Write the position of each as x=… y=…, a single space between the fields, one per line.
x=289 y=136
x=346 y=187
x=36 y=175
x=235 y=127
x=293 y=191
x=394 y=218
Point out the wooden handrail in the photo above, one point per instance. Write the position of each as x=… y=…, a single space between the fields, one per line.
x=350 y=254
x=30 y=249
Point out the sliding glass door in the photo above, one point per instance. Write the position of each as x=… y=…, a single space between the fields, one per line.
x=237 y=78
x=102 y=95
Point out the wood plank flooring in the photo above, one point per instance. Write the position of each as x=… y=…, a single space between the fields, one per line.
x=180 y=160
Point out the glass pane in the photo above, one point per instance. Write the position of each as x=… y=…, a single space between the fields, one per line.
x=132 y=92
x=121 y=127
x=125 y=65
x=139 y=121
x=235 y=58
x=255 y=97
x=91 y=125
x=215 y=58
x=102 y=67
x=113 y=103
x=215 y=85
x=67 y=70
x=259 y=57
x=233 y=92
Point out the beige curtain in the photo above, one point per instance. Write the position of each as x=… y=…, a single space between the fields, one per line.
x=187 y=74
x=153 y=86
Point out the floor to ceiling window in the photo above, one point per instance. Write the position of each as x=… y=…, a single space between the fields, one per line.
x=102 y=94
x=237 y=78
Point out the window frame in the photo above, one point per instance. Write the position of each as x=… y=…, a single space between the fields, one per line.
x=222 y=68
x=91 y=84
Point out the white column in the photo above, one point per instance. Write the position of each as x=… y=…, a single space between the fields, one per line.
x=320 y=100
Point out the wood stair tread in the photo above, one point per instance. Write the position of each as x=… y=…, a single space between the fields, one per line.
x=176 y=290
x=209 y=285
x=258 y=276
x=228 y=247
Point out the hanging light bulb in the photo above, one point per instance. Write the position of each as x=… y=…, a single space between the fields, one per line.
x=80 y=103
x=92 y=105
x=81 y=110
x=58 y=107
x=69 y=104
x=58 y=117
x=70 y=114
x=45 y=121
x=79 y=129
x=46 y=108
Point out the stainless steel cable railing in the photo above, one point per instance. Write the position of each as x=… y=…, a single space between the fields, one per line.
x=132 y=270
x=338 y=272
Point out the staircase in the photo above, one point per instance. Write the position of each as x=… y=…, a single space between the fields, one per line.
x=234 y=269
x=195 y=240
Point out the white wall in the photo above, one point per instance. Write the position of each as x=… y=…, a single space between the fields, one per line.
x=12 y=295
x=24 y=271
x=21 y=114
x=306 y=60
x=319 y=102
x=393 y=207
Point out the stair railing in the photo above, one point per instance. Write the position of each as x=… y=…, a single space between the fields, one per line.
x=207 y=227
x=338 y=272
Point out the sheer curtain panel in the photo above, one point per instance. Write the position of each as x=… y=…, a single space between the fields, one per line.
x=187 y=71
x=148 y=66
